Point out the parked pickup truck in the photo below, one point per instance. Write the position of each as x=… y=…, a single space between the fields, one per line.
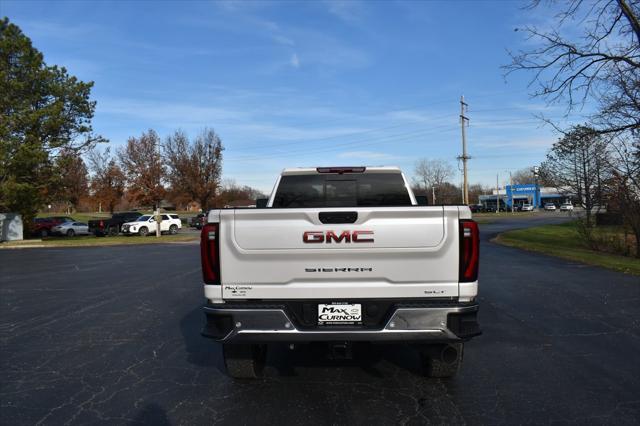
x=339 y=255
x=102 y=227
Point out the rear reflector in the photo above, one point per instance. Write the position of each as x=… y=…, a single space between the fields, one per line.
x=340 y=170
x=210 y=253
x=469 y=251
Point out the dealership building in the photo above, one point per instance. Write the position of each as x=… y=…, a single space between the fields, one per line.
x=517 y=195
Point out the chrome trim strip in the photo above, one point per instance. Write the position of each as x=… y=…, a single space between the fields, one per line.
x=405 y=324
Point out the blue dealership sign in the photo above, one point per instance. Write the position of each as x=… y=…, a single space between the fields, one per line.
x=528 y=190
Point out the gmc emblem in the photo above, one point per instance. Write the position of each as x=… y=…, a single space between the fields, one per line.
x=330 y=236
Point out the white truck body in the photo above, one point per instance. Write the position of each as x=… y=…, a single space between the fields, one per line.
x=340 y=254
x=414 y=254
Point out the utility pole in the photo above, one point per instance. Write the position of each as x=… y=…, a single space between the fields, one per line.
x=464 y=157
x=433 y=195
x=511 y=187
x=536 y=194
x=497 y=194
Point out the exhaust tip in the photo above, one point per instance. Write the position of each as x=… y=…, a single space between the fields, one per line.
x=449 y=354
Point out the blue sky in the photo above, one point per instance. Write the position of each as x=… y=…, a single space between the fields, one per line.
x=310 y=83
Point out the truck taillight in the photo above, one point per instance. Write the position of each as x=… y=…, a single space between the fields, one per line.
x=210 y=253
x=469 y=250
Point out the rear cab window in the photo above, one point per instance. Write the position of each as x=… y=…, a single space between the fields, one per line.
x=342 y=190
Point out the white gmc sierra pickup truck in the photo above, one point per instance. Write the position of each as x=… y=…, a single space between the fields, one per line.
x=341 y=254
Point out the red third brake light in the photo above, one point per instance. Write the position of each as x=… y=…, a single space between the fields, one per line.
x=210 y=253
x=340 y=170
x=469 y=250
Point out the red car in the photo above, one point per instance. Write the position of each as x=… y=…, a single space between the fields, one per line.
x=42 y=225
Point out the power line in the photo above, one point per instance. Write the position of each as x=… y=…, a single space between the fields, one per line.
x=351 y=144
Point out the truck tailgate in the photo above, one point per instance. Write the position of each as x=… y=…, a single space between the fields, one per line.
x=397 y=252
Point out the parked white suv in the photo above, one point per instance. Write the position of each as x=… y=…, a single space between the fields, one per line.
x=146 y=224
x=337 y=255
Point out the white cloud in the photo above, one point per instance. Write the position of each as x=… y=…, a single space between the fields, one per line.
x=166 y=113
x=367 y=155
x=295 y=61
x=350 y=11
x=50 y=29
x=516 y=143
x=279 y=38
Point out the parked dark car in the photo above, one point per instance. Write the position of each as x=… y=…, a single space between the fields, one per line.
x=198 y=220
x=475 y=208
x=102 y=227
x=42 y=225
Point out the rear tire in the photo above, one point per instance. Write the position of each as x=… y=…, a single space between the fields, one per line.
x=71 y=233
x=173 y=229
x=143 y=232
x=443 y=361
x=43 y=233
x=244 y=361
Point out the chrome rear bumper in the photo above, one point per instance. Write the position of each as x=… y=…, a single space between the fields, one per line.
x=232 y=325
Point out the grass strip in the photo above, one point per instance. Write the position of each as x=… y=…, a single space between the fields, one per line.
x=90 y=240
x=563 y=241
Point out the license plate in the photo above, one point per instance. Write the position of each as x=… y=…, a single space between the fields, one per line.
x=339 y=313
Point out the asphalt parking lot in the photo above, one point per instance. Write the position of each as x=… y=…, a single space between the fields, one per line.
x=111 y=335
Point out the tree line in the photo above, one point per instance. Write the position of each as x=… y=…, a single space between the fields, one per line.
x=433 y=178
x=148 y=170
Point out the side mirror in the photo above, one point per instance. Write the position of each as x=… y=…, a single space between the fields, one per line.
x=422 y=200
x=261 y=203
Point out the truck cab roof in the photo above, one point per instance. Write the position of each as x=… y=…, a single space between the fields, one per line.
x=339 y=170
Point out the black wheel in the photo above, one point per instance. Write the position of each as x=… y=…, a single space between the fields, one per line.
x=71 y=233
x=173 y=229
x=143 y=232
x=244 y=361
x=113 y=231
x=44 y=233
x=442 y=360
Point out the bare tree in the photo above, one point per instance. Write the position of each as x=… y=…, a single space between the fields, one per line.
x=140 y=160
x=601 y=63
x=523 y=176
x=194 y=167
x=625 y=183
x=475 y=190
x=107 y=180
x=72 y=178
x=230 y=191
x=430 y=175
x=448 y=193
x=578 y=164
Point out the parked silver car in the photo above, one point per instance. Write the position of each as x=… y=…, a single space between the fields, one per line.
x=70 y=229
x=566 y=207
